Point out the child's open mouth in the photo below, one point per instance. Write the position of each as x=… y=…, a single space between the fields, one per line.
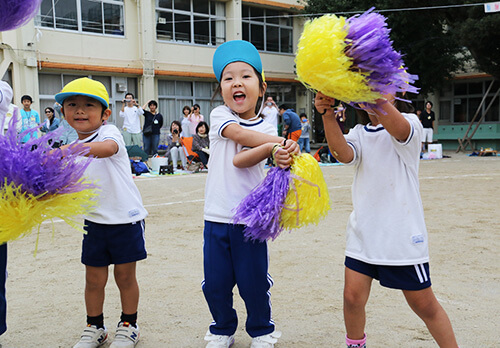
x=239 y=97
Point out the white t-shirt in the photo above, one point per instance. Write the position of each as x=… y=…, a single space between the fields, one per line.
x=132 y=121
x=387 y=225
x=119 y=200
x=271 y=115
x=227 y=185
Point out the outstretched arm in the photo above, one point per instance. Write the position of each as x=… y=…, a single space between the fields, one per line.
x=99 y=149
x=250 y=157
x=334 y=136
x=250 y=138
x=392 y=120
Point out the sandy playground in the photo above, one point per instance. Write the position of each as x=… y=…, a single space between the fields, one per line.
x=462 y=205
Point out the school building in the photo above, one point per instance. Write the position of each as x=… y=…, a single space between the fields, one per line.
x=156 y=49
x=162 y=50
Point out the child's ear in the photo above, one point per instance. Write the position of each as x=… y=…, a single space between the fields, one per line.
x=105 y=114
x=263 y=89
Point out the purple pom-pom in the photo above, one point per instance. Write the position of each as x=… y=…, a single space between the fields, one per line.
x=260 y=211
x=371 y=51
x=38 y=168
x=15 y=13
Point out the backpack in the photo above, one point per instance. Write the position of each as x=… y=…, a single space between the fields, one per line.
x=138 y=167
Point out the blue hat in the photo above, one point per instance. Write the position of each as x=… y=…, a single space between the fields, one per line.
x=235 y=51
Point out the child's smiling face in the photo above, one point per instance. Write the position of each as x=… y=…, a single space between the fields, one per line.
x=84 y=114
x=241 y=89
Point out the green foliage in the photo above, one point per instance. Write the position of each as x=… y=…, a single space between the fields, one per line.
x=435 y=43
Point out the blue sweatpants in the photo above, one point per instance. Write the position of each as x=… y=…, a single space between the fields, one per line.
x=229 y=260
x=3 y=279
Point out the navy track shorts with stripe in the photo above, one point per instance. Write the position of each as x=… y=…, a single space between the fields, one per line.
x=412 y=277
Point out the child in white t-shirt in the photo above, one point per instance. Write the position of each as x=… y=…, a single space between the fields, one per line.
x=115 y=230
x=240 y=141
x=386 y=232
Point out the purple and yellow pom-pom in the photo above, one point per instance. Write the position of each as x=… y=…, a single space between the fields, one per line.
x=286 y=199
x=351 y=59
x=40 y=184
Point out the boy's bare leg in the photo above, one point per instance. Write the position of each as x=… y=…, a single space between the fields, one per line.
x=95 y=283
x=356 y=292
x=127 y=284
x=425 y=305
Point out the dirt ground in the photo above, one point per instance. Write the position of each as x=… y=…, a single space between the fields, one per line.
x=461 y=200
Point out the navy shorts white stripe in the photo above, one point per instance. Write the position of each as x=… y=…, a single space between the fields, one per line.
x=412 y=277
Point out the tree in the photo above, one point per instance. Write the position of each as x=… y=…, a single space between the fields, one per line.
x=480 y=33
x=435 y=43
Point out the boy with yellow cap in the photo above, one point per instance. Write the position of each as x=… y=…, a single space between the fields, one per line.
x=115 y=230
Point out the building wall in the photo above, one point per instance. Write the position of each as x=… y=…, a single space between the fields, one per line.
x=34 y=54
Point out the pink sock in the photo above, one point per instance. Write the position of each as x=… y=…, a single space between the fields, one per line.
x=355 y=343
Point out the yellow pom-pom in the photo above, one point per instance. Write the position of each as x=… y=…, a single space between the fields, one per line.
x=307 y=200
x=20 y=212
x=322 y=64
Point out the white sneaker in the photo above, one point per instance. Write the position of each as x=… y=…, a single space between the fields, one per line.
x=92 y=337
x=218 y=341
x=266 y=341
x=126 y=336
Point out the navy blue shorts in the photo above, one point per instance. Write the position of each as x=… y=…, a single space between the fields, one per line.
x=414 y=277
x=104 y=245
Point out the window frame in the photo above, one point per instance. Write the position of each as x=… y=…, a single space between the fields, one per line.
x=265 y=23
x=79 y=18
x=211 y=17
x=466 y=98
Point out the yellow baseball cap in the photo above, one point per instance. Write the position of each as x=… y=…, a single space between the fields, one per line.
x=84 y=86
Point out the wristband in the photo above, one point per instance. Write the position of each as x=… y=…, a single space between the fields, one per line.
x=275 y=149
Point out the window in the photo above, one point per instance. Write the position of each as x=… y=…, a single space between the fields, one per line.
x=51 y=84
x=191 y=21
x=174 y=95
x=467 y=98
x=269 y=30
x=89 y=16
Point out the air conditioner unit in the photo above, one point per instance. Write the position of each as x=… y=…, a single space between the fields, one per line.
x=121 y=87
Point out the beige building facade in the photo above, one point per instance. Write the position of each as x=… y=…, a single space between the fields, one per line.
x=156 y=49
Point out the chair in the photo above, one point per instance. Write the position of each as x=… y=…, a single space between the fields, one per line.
x=187 y=145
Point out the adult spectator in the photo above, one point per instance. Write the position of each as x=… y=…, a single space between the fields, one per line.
x=185 y=123
x=270 y=112
x=201 y=143
x=153 y=121
x=29 y=118
x=195 y=118
x=130 y=112
x=427 y=118
x=51 y=123
x=175 y=149
x=292 y=125
x=304 y=137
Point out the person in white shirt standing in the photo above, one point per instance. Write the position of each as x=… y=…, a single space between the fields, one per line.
x=270 y=112
x=131 y=112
